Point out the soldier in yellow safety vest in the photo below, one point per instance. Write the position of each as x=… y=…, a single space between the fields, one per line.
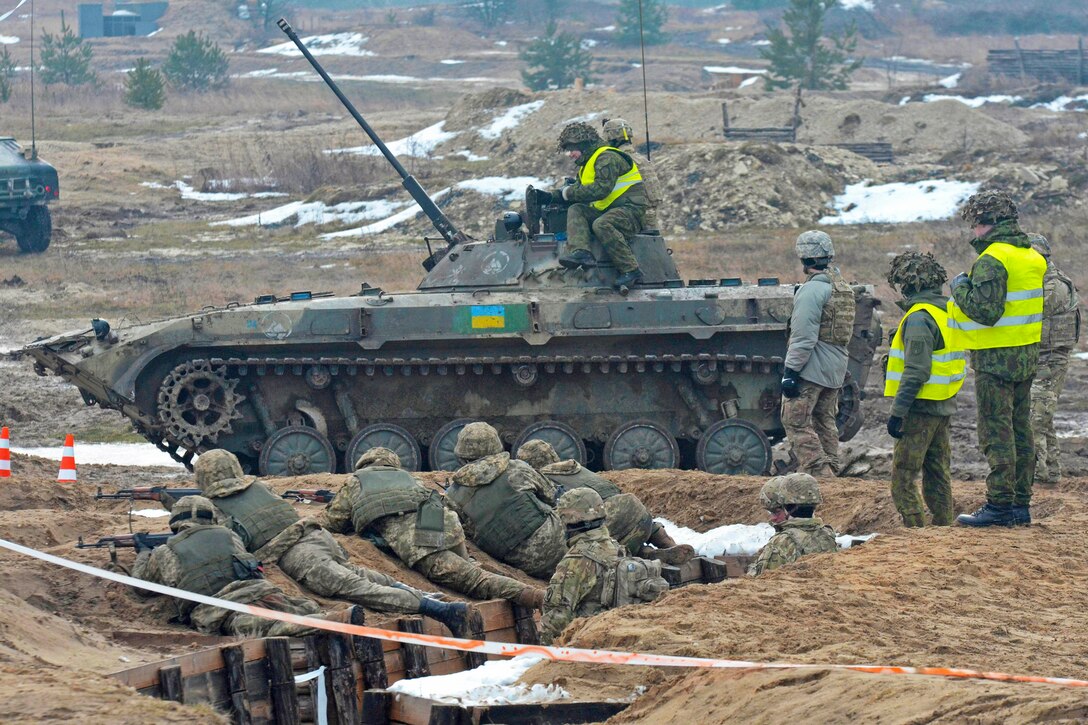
x=996 y=312
x=607 y=199
x=925 y=371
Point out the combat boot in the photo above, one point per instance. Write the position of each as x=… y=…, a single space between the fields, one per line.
x=1022 y=515
x=578 y=258
x=914 y=521
x=530 y=597
x=628 y=279
x=673 y=555
x=452 y=614
x=990 y=515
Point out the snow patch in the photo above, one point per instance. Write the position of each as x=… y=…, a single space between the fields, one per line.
x=584 y=118
x=262 y=73
x=188 y=192
x=723 y=41
x=388 y=222
x=588 y=43
x=8 y=39
x=729 y=539
x=951 y=81
x=451 y=61
x=332 y=44
x=976 y=102
x=748 y=82
x=469 y=156
x=509 y=119
x=116 y=454
x=856 y=4
x=606 y=29
x=151 y=513
x=847 y=540
x=1081 y=355
x=900 y=202
x=420 y=143
x=733 y=70
x=760 y=42
x=317 y=212
x=510 y=189
x=495 y=683
x=1061 y=103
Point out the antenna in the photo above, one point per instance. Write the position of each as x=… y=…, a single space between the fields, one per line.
x=33 y=128
x=645 y=103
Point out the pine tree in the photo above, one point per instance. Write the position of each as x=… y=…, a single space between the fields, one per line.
x=145 y=87
x=805 y=58
x=558 y=58
x=654 y=15
x=65 y=59
x=7 y=72
x=196 y=63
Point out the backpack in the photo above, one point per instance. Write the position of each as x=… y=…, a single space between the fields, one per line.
x=632 y=581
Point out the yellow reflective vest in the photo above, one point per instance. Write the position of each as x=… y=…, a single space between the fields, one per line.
x=1021 y=323
x=625 y=182
x=948 y=366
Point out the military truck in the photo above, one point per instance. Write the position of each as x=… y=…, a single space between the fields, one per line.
x=27 y=186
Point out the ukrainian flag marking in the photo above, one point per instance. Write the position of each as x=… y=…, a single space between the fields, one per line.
x=488 y=317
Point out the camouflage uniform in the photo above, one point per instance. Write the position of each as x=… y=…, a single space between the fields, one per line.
x=820 y=328
x=174 y=564
x=303 y=550
x=575 y=587
x=1061 y=331
x=795 y=537
x=618 y=133
x=445 y=563
x=1003 y=376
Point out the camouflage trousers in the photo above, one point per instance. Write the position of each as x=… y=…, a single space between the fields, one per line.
x=809 y=420
x=612 y=228
x=318 y=563
x=925 y=447
x=1005 y=438
x=260 y=593
x=1045 y=391
x=454 y=570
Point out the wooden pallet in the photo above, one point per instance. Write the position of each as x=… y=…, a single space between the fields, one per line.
x=381 y=707
x=1048 y=65
x=877 y=152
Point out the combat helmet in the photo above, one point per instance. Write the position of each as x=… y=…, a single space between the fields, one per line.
x=576 y=134
x=378 y=456
x=216 y=465
x=989 y=207
x=1040 y=244
x=580 y=506
x=916 y=271
x=797 y=489
x=815 y=245
x=618 y=130
x=537 y=453
x=190 y=510
x=477 y=440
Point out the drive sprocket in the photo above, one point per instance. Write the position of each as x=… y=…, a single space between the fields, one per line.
x=197 y=403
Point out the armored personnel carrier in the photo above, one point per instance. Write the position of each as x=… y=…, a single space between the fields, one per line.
x=667 y=374
x=27 y=184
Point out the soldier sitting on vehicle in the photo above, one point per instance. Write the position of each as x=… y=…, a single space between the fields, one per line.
x=628 y=520
x=208 y=559
x=792 y=501
x=272 y=530
x=595 y=574
x=618 y=133
x=383 y=500
x=505 y=505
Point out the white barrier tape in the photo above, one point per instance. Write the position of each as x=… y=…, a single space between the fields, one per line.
x=558 y=654
x=321 y=706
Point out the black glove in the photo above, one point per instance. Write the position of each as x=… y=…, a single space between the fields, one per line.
x=791 y=383
x=140 y=543
x=895 y=427
x=959 y=279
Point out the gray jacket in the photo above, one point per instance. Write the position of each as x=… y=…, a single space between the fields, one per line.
x=818 y=362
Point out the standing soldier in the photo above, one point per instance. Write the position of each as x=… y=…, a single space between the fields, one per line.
x=608 y=198
x=792 y=501
x=997 y=313
x=815 y=366
x=628 y=520
x=1061 y=331
x=384 y=500
x=505 y=505
x=618 y=133
x=589 y=579
x=925 y=371
x=272 y=530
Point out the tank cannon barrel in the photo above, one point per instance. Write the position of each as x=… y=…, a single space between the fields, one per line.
x=441 y=222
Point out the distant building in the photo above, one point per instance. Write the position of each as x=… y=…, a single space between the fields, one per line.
x=126 y=19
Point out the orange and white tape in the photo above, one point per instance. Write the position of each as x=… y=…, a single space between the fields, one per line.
x=559 y=654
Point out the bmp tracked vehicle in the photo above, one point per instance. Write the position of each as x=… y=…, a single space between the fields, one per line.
x=668 y=375
x=27 y=184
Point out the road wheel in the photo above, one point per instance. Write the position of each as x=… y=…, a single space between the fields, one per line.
x=564 y=439
x=35 y=232
x=385 y=435
x=641 y=444
x=734 y=446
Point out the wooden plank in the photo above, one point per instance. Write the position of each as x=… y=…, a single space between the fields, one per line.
x=342 y=678
x=282 y=677
x=376 y=706
x=207 y=660
x=736 y=565
x=525 y=625
x=672 y=575
x=171 y=683
x=168 y=639
x=235 y=668
x=443 y=714
x=415 y=656
x=552 y=712
x=410 y=709
x=259 y=690
x=370 y=655
x=713 y=571
x=475 y=631
x=313 y=661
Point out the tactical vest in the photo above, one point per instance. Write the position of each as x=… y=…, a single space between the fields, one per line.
x=588 y=174
x=384 y=492
x=837 y=318
x=502 y=516
x=948 y=366
x=257 y=515
x=811 y=541
x=1061 y=325
x=585 y=479
x=207 y=560
x=1021 y=322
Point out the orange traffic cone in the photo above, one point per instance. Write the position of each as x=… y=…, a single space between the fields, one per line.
x=5 y=454
x=68 y=461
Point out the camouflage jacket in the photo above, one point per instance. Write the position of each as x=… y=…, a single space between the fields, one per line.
x=399 y=531
x=818 y=362
x=982 y=298
x=262 y=593
x=574 y=589
x=608 y=167
x=921 y=337
x=795 y=538
x=1061 y=310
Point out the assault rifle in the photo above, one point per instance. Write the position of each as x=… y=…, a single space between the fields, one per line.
x=149 y=493
x=139 y=541
x=320 y=495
